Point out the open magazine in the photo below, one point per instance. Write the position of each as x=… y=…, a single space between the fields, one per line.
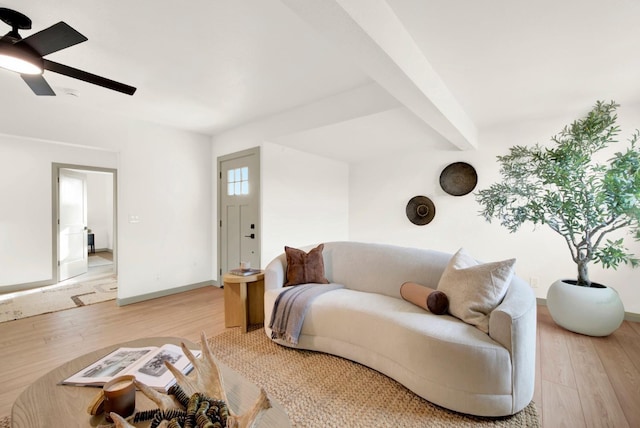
x=146 y=364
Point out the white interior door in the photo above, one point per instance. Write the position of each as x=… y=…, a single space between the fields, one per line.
x=239 y=199
x=72 y=224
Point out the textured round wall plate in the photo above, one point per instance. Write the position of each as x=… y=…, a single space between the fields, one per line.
x=458 y=179
x=420 y=210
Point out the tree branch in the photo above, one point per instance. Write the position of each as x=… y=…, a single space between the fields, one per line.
x=611 y=229
x=570 y=244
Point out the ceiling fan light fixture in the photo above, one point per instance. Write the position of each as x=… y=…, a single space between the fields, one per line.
x=20 y=60
x=25 y=56
x=18 y=65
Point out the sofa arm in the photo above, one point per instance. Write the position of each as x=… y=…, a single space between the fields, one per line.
x=513 y=325
x=274 y=273
x=518 y=304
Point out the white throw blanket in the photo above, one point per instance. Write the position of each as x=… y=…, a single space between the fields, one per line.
x=291 y=307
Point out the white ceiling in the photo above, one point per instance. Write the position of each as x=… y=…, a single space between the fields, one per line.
x=211 y=65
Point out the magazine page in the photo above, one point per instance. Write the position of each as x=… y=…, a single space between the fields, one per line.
x=146 y=364
x=117 y=363
x=154 y=373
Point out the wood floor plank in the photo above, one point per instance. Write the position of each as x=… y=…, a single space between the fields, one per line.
x=562 y=408
x=537 y=392
x=635 y=326
x=623 y=375
x=627 y=329
x=600 y=404
x=555 y=361
x=631 y=346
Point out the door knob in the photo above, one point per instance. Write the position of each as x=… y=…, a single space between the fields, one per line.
x=252 y=236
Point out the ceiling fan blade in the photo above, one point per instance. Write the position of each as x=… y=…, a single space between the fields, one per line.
x=54 y=38
x=88 y=77
x=38 y=85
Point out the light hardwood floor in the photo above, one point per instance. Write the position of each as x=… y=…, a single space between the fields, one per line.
x=31 y=347
x=586 y=381
x=580 y=381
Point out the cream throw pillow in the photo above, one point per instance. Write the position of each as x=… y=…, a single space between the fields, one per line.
x=474 y=289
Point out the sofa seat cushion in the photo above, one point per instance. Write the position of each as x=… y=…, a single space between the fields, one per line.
x=391 y=329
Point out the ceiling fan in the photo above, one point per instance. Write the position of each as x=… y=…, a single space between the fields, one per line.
x=25 y=56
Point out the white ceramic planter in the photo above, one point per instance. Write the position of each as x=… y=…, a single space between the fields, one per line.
x=593 y=311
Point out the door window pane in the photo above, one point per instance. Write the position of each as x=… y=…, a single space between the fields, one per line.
x=238 y=181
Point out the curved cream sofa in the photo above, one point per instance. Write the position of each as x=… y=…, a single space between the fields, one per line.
x=440 y=358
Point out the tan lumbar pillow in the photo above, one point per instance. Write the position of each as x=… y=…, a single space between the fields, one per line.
x=427 y=298
x=475 y=289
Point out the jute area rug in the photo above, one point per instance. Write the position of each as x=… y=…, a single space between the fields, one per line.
x=321 y=390
x=56 y=298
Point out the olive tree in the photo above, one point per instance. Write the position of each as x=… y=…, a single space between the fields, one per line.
x=566 y=188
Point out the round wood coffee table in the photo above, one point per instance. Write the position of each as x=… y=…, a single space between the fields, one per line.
x=46 y=403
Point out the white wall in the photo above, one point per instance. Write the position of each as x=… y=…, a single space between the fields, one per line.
x=164 y=177
x=380 y=190
x=305 y=200
x=100 y=208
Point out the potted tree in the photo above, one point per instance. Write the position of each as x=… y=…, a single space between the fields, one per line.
x=584 y=200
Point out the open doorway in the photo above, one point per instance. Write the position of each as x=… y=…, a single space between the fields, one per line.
x=84 y=222
x=83 y=206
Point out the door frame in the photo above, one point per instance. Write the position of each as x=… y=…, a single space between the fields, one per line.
x=253 y=151
x=55 y=211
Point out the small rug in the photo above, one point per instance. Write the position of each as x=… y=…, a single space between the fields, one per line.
x=318 y=389
x=58 y=297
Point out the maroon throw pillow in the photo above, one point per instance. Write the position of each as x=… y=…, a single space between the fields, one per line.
x=304 y=268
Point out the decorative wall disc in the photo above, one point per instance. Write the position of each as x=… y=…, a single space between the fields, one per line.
x=458 y=179
x=420 y=210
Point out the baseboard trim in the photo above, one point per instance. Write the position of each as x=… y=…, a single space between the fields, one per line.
x=632 y=317
x=628 y=316
x=13 y=288
x=163 y=293
x=6 y=289
x=102 y=250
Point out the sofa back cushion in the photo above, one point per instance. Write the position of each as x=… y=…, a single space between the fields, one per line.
x=381 y=268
